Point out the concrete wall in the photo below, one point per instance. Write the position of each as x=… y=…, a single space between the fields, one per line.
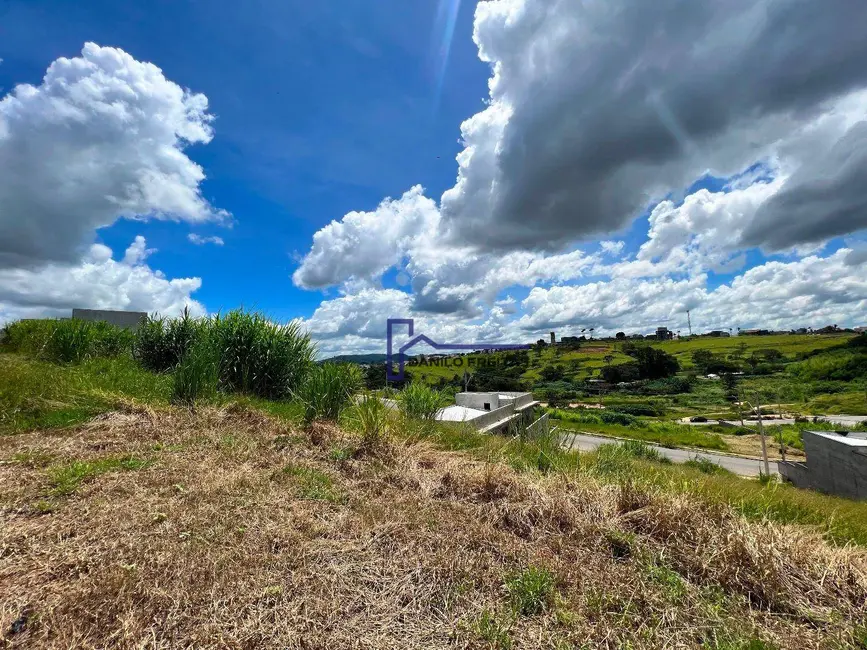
x=126 y=319
x=495 y=399
x=492 y=417
x=478 y=400
x=540 y=427
x=834 y=466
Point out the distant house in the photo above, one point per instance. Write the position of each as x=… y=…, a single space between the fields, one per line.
x=126 y=319
x=860 y=330
x=755 y=332
x=718 y=333
x=664 y=334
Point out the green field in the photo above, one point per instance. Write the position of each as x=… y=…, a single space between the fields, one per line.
x=804 y=379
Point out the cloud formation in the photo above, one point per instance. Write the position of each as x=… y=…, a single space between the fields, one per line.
x=597 y=108
x=101 y=138
x=199 y=240
x=97 y=282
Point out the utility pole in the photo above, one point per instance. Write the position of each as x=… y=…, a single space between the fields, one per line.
x=764 y=444
x=689 y=322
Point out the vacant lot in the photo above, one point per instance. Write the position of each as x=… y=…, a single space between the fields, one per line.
x=226 y=528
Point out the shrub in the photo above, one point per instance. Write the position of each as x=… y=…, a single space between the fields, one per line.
x=418 y=401
x=613 y=417
x=668 y=386
x=327 y=390
x=652 y=410
x=259 y=356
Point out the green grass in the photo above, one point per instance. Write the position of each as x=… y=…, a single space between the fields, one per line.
x=789 y=345
x=494 y=630
x=667 y=434
x=327 y=390
x=707 y=466
x=65 y=479
x=531 y=591
x=39 y=394
x=310 y=483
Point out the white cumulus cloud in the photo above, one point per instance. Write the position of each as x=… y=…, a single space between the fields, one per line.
x=96 y=282
x=101 y=138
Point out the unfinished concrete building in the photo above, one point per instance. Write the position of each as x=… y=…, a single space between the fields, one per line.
x=836 y=464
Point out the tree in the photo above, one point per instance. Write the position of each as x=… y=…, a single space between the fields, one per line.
x=651 y=363
x=620 y=336
x=702 y=359
x=552 y=373
x=730 y=386
x=608 y=358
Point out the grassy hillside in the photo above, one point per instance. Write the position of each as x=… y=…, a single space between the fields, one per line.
x=234 y=524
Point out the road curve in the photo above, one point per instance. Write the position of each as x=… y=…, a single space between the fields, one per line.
x=736 y=464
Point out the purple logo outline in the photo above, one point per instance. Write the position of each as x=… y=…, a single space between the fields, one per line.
x=421 y=338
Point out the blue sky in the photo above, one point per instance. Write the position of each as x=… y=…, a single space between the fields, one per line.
x=321 y=108
x=608 y=165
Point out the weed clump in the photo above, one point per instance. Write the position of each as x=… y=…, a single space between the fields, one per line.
x=328 y=390
x=418 y=401
x=531 y=591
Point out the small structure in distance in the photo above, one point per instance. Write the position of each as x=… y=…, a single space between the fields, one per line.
x=490 y=412
x=125 y=319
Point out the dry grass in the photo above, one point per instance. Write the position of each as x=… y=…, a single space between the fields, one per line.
x=236 y=531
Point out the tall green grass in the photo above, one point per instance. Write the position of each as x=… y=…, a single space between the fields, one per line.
x=196 y=376
x=372 y=419
x=259 y=356
x=162 y=343
x=328 y=390
x=68 y=340
x=418 y=401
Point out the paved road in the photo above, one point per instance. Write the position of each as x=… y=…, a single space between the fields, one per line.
x=736 y=464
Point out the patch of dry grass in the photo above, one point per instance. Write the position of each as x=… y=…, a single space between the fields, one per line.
x=239 y=531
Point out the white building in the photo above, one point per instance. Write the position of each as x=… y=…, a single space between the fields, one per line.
x=492 y=411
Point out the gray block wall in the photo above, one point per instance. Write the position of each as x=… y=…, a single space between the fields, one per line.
x=836 y=467
x=125 y=319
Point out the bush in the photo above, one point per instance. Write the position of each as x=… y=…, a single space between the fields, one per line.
x=652 y=410
x=613 y=417
x=327 y=390
x=418 y=401
x=261 y=357
x=668 y=386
